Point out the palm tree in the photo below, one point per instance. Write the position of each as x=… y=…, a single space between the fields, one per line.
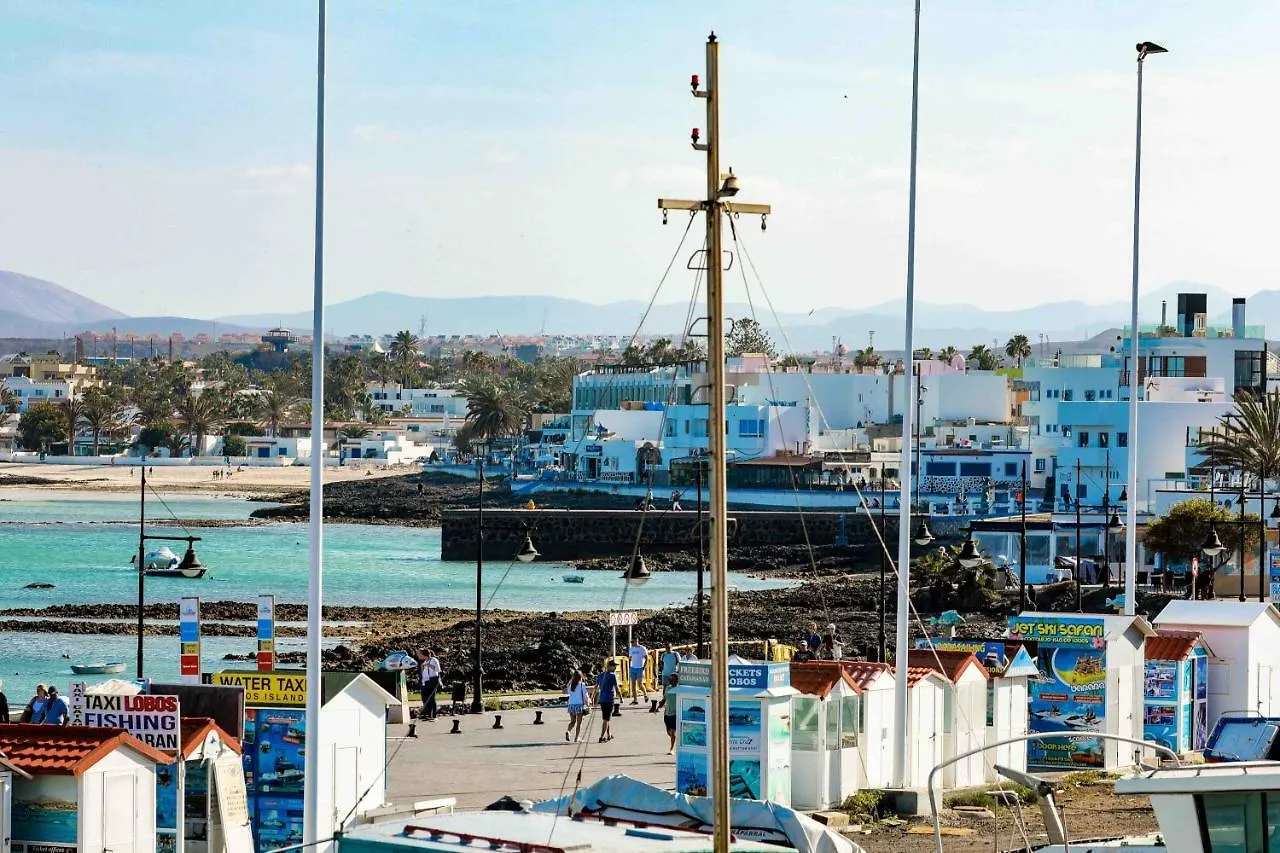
x=73 y=411
x=405 y=347
x=355 y=431
x=201 y=414
x=274 y=406
x=494 y=409
x=103 y=413
x=9 y=401
x=947 y=353
x=867 y=357
x=1248 y=438
x=982 y=358
x=923 y=354
x=1018 y=348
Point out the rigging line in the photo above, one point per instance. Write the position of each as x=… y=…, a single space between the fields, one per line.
x=578 y=756
x=791 y=476
x=156 y=495
x=386 y=765
x=648 y=308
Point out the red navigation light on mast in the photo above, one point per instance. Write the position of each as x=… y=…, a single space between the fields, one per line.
x=694 y=135
x=693 y=82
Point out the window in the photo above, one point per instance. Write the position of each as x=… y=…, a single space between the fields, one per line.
x=1082 y=491
x=975 y=469
x=948 y=707
x=1122 y=439
x=1083 y=439
x=750 y=428
x=1011 y=469
x=1068 y=395
x=1104 y=439
x=1232 y=821
x=1039 y=466
x=1090 y=396
x=805 y=733
x=940 y=469
x=850 y=720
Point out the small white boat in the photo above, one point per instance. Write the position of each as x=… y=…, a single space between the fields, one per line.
x=573 y=578
x=97 y=668
x=161 y=559
x=163 y=563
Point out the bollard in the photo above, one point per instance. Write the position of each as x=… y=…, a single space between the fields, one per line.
x=413 y=730
x=457 y=727
x=537 y=718
x=617 y=709
x=497 y=721
x=653 y=706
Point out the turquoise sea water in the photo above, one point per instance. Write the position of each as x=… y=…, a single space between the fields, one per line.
x=83 y=546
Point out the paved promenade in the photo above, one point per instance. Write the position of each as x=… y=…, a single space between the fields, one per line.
x=521 y=759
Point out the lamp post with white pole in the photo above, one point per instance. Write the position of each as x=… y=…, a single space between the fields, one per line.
x=1145 y=49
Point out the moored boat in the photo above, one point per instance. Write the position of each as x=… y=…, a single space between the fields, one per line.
x=97 y=668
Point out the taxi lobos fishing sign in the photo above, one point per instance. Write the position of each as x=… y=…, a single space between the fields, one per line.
x=154 y=720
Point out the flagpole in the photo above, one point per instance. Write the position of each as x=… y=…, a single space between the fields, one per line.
x=312 y=833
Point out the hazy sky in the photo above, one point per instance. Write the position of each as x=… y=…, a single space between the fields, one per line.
x=158 y=156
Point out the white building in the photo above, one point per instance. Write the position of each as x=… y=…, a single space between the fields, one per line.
x=30 y=391
x=421 y=402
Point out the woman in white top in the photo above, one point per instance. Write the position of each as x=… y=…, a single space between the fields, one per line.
x=577 y=691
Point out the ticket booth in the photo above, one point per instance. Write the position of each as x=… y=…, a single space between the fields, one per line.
x=759 y=729
x=1091 y=671
x=842 y=729
x=926 y=700
x=210 y=809
x=82 y=790
x=1243 y=673
x=1175 y=693
x=351 y=758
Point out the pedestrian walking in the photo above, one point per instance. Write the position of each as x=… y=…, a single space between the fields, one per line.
x=606 y=696
x=831 y=647
x=34 y=712
x=577 y=691
x=669 y=703
x=675 y=501
x=56 y=712
x=669 y=662
x=429 y=678
x=637 y=654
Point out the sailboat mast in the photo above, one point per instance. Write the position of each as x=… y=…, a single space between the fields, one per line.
x=719 y=187
x=719 y=510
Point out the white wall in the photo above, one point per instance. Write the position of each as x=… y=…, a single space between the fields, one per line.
x=95 y=785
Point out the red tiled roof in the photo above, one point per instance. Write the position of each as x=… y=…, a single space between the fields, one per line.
x=862 y=672
x=194 y=730
x=915 y=674
x=819 y=677
x=1171 y=645
x=66 y=750
x=950 y=664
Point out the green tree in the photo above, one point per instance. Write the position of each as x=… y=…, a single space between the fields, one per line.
x=494 y=409
x=947 y=353
x=748 y=337
x=1018 y=348
x=982 y=358
x=1179 y=533
x=72 y=412
x=405 y=348
x=355 y=431
x=103 y=413
x=867 y=357
x=201 y=414
x=234 y=445
x=1248 y=438
x=43 y=424
x=9 y=401
x=923 y=354
x=152 y=437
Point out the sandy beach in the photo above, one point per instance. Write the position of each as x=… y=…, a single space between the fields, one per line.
x=246 y=482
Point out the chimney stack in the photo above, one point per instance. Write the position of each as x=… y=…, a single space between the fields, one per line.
x=1237 y=317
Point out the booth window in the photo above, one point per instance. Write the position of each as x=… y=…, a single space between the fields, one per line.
x=805 y=734
x=948 y=708
x=850 y=721
x=833 y=724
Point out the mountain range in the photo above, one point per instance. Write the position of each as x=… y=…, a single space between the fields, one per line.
x=35 y=308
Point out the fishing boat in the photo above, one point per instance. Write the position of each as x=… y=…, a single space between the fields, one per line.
x=162 y=562
x=97 y=668
x=573 y=578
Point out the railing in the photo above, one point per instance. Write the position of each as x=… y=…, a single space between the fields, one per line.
x=768 y=650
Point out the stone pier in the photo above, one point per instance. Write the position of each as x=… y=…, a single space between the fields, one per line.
x=561 y=534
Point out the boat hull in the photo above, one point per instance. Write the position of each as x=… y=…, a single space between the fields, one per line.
x=97 y=668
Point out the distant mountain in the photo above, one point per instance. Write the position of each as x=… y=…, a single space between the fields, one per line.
x=162 y=327
x=43 y=300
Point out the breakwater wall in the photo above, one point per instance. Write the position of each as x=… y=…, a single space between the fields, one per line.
x=561 y=534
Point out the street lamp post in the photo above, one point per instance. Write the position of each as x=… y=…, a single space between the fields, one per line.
x=882 y=648
x=477 y=699
x=1145 y=49
x=1022 y=545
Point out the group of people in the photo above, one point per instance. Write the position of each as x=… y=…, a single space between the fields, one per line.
x=815 y=646
x=47 y=706
x=605 y=693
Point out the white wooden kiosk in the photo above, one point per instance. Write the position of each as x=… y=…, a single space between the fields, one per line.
x=926 y=696
x=842 y=727
x=7 y=773
x=85 y=790
x=1092 y=669
x=208 y=754
x=1244 y=669
x=964 y=717
x=1007 y=714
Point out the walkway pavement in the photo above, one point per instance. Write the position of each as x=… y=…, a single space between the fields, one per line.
x=522 y=759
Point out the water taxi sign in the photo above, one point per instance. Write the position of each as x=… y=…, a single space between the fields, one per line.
x=267 y=689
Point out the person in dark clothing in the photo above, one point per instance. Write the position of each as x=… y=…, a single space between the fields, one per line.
x=802 y=655
x=4 y=705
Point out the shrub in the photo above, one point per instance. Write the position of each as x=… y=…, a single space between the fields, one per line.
x=867 y=806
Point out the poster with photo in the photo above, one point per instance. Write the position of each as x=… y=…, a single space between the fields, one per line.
x=1160 y=725
x=167 y=808
x=745 y=779
x=746 y=729
x=1202 y=677
x=693 y=710
x=1069 y=696
x=694 y=735
x=279 y=822
x=691 y=774
x=44 y=812
x=1161 y=680
x=195 y=806
x=274 y=752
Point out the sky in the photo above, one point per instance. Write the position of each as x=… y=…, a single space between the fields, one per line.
x=159 y=157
